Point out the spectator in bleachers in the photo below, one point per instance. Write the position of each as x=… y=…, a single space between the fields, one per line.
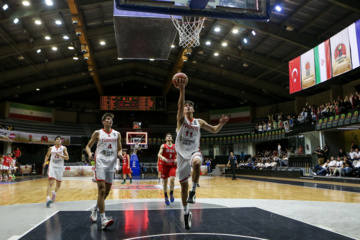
x=326 y=151
x=320 y=155
x=342 y=153
x=325 y=169
x=338 y=166
x=347 y=168
x=357 y=154
x=357 y=169
x=352 y=155
x=353 y=145
x=332 y=166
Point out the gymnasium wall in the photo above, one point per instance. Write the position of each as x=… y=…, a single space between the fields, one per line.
x=65 y=116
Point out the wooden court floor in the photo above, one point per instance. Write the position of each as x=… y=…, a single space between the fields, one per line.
x=79 y=189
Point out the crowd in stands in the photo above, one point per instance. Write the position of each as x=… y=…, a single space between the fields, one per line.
x=343 y=165
x=310 y=113
x=276 y=122
x=268 y=159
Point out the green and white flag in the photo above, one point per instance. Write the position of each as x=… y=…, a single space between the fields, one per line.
x=29 y=112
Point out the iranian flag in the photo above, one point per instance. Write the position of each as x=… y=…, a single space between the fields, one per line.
x=29 y=112
x=235 y=115
x=322 y=62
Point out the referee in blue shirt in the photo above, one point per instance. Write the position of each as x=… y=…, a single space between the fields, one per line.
x=232 y=163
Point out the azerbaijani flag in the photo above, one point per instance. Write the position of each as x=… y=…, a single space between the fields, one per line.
x=322 y=62
x=236 y=115
x=29 y=112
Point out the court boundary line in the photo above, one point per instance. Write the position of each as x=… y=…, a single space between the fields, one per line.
x=38 y=224
x=216 y=234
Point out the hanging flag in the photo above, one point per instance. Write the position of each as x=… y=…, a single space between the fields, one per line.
x=354 y=36
x=322 y=62
x=30 y=112
x=340 y=53
x=307 y=69
x=294 y=75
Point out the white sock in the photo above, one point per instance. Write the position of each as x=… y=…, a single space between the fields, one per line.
x=53 y=192
x=186 y=209
x=102 y=216
x=48 y=198
x=193 y=189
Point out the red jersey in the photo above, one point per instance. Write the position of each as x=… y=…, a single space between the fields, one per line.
x=125 y=161
x=170 y=154
x=17 y=153
x=7 y=161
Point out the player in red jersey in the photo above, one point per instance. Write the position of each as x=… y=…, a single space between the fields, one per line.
x=6 y=165
x=126 y=166
x=167 y=154
x=159 y=167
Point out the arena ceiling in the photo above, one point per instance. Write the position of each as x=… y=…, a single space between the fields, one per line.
x=255 y=73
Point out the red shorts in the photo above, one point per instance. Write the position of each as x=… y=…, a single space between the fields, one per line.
x=126 y=170
x=160 y=166
x=168 y=171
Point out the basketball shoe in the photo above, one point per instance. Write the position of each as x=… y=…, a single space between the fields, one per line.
x=172 y=199
x=93 y=215
x=167 y=200
x=187 y=220
x=191 y=198
x=106 y=222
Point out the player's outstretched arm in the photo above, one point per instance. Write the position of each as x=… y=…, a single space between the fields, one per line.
x=181 y=103
x=47 y=156
x=211 y=128
x=119 y=147
x=88 y=147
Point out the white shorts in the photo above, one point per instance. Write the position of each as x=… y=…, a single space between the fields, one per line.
x=5 y=167
x=184 y=166
x=1 y=167
x=55 y=173
x=102 y=175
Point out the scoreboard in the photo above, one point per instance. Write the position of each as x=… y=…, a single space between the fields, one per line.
x=132 y=103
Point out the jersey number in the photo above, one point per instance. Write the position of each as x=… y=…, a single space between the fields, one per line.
x=170 y=155
x=109 y=146
x=187 y=133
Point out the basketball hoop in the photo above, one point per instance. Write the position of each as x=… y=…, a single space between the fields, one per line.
x=189 y=29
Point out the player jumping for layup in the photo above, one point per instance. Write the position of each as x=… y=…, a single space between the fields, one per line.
x=107 y=150
x=188 y=147
x=167 y=154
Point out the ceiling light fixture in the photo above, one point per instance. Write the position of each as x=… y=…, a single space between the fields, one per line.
x=49 y=2
x=66 y=37
x=71 y=47
x=235 y=31
x=172 y=45
x=253 y=32
x=119 y=58
x=16 y=20
x=216 y=54
x=208 y=43
x=38 y=22
x=102 y=43
x=224 y=44
x=26 y=3
x=151 y=59
x=38 y=89
x=47 y=37
x=58 y=22
x=245 y=40
x=5 y=7
x=217 y=29
x=38 y=51
x=75 y=57
x=54 y=48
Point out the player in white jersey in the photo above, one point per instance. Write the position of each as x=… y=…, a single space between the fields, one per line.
x=188 y=148
x=57 y=154
x=107 y=151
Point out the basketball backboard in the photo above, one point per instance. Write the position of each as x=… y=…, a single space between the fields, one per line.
x=226 y=9
x=140 y=139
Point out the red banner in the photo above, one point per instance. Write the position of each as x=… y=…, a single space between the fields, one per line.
x=294 y=75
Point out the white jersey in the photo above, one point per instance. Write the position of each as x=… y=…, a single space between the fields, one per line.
x=106 y=150
x=188 y=138
x=55 y=160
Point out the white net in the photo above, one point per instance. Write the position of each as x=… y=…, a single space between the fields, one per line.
x=189 y=29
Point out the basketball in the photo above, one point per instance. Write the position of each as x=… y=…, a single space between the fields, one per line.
x=177 y=76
